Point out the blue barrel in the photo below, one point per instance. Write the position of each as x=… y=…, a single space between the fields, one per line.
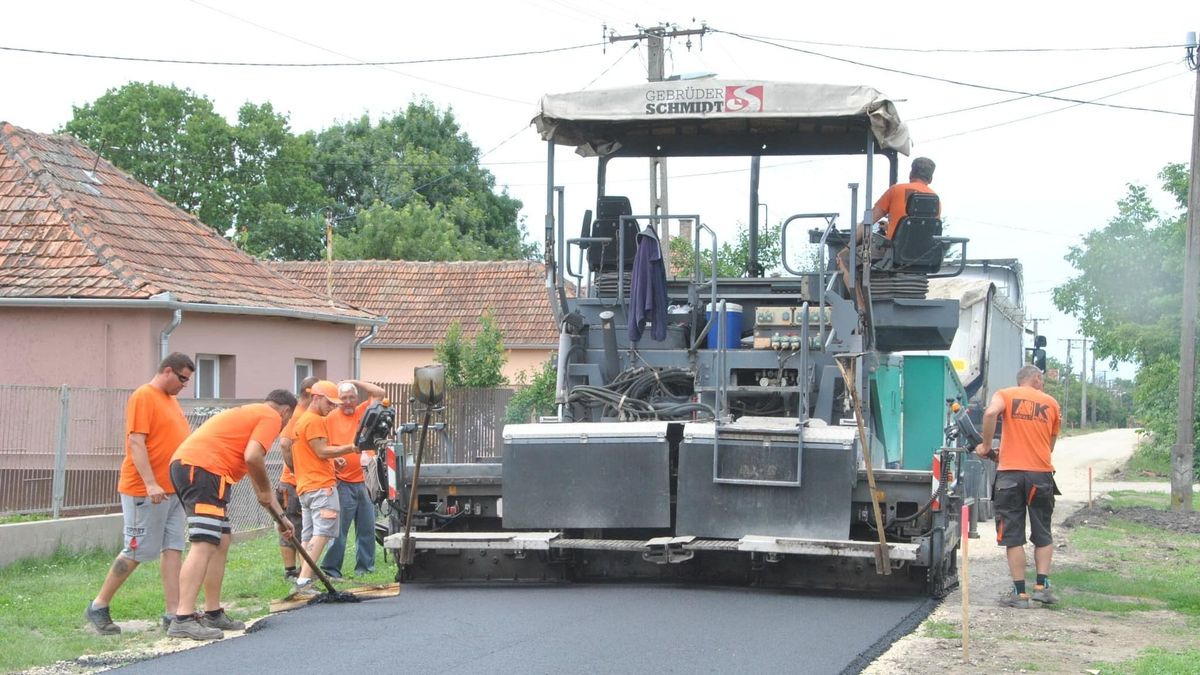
x=733 y=326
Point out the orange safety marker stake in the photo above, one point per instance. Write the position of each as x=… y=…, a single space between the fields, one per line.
x=966 y=584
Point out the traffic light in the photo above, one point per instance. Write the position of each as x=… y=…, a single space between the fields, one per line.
x=1039 y=354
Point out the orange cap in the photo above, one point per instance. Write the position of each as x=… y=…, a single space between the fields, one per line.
x=327 y=389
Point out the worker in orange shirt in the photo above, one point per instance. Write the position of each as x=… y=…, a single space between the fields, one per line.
x=223 y=450
x=316 y=479
x=894 y=201
x=286 y=492
x=1024 y=480
x=354 y=499
x=153 y=521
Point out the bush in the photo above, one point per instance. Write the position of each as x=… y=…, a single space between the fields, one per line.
x=536 y=394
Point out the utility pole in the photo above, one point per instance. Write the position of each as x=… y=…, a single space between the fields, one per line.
x=1083 y=385
x=1185 y=431
x=1093 y=381
x=329 y=254
x=655 y=72
x=1066 y=377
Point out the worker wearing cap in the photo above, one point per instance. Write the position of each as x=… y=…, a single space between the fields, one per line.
x=355 y=500
x=286 y=492
x=316 y=478
x=220 y=453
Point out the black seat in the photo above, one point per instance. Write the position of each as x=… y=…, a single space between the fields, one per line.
x=607 y=257
x=917 y=245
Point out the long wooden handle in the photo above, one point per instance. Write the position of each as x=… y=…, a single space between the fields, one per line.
x=304 y=554
x=882 y=563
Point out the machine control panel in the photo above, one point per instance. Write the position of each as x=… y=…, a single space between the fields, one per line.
x=780 y=327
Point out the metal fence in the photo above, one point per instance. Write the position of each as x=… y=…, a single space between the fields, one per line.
x=61 y=447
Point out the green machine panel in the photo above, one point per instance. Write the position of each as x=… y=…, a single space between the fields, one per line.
x=887 y=406
x=928 y=381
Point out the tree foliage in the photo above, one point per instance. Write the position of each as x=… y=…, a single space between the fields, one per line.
x=409 y=186
x=476 y=362
x=732 y=259
x=1128 y=297
x=535 y=395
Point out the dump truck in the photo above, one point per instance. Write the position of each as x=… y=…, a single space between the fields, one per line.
x=799 y=425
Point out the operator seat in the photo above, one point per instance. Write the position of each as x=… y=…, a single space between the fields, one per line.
x=917 y=245
x=607 y=257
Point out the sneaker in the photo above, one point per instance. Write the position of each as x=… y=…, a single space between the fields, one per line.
x=1044 y=594
x=1021 y=601
x=166 y=621
x=101 y=620
x=304 y=591
x=189 y=627
x=219 y=619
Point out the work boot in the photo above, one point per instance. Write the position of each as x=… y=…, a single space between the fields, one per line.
x=189 y=627
x=1017 y=600
x=220 y=620
x=1044 y=594
x=306 y=590
x=101 y=620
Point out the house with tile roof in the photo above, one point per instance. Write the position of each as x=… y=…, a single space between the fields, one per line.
x=100 y=277
x=421 y=299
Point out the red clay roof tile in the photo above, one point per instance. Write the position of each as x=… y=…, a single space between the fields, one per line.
x=117 y=238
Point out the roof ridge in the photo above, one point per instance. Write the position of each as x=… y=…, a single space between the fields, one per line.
x=43 y=178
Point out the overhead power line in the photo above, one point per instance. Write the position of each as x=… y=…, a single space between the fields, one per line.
x=948 y=50
x=325 y=64
x=945 y=80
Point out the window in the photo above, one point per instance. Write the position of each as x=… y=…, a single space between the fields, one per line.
x=208 y=376
x=306 y=368
x=215 y=375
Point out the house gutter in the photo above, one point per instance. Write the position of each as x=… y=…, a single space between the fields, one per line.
x=160 y=302
x=358 y=345
x=164 y=338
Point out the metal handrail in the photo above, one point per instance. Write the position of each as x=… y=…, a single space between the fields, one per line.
x=830 y=226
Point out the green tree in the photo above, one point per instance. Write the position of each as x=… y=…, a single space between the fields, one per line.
x=731 y=258
x=477 y=362
x=416 y=162
x=1127 y=296
x=535 y=395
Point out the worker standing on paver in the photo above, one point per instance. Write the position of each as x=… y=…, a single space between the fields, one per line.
x=316 y=479
x=1024 y=479
x=206 y=466
x=153 y=519
x=354 y=500
x=286 y=492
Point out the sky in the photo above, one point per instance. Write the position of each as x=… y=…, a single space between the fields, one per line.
x=1023 y=177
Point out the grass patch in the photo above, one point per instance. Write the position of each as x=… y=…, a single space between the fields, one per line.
x=1150 y=461
x=23 y=518
x=1155 y=662
x=42 y=601
x=1136 y=568
x=943 y=630
x=1125 y=499
x=1027 y=667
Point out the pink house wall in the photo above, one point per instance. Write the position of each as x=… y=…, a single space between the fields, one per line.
x=79 y=347
x=51 y=346
x=392 y=364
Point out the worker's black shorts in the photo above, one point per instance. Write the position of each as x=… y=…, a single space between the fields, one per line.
x=204 y=495
x=1018 y=493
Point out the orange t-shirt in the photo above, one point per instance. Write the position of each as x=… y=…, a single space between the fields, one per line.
x=219 y=445
x=157 y=414
x=289 y=432
x=895 y=202
x=1031 y=419
x=342 y=428
x=312 y=472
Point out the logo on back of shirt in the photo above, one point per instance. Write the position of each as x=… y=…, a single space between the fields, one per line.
x=1029 y=410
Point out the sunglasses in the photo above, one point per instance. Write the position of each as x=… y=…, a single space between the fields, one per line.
x=183 y=379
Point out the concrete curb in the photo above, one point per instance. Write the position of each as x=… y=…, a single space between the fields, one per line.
x=42 y=538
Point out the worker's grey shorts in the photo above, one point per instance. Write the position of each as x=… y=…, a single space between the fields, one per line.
x=320 y=510
x=151 y=528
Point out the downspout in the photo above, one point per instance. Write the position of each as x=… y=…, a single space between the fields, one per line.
x=164 y=338
x=358 y=345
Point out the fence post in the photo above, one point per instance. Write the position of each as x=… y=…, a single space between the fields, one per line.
x=60 y=450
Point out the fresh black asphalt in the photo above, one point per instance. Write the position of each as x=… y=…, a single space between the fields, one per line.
x=593 y=628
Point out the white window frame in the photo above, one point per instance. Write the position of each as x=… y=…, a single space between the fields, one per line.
x=215 y=363
x=308 y=365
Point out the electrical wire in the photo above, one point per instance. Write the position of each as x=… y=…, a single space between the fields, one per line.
x=946 y=50
x=960 y=83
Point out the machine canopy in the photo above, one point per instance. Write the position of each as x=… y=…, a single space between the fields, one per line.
x=711 y=117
